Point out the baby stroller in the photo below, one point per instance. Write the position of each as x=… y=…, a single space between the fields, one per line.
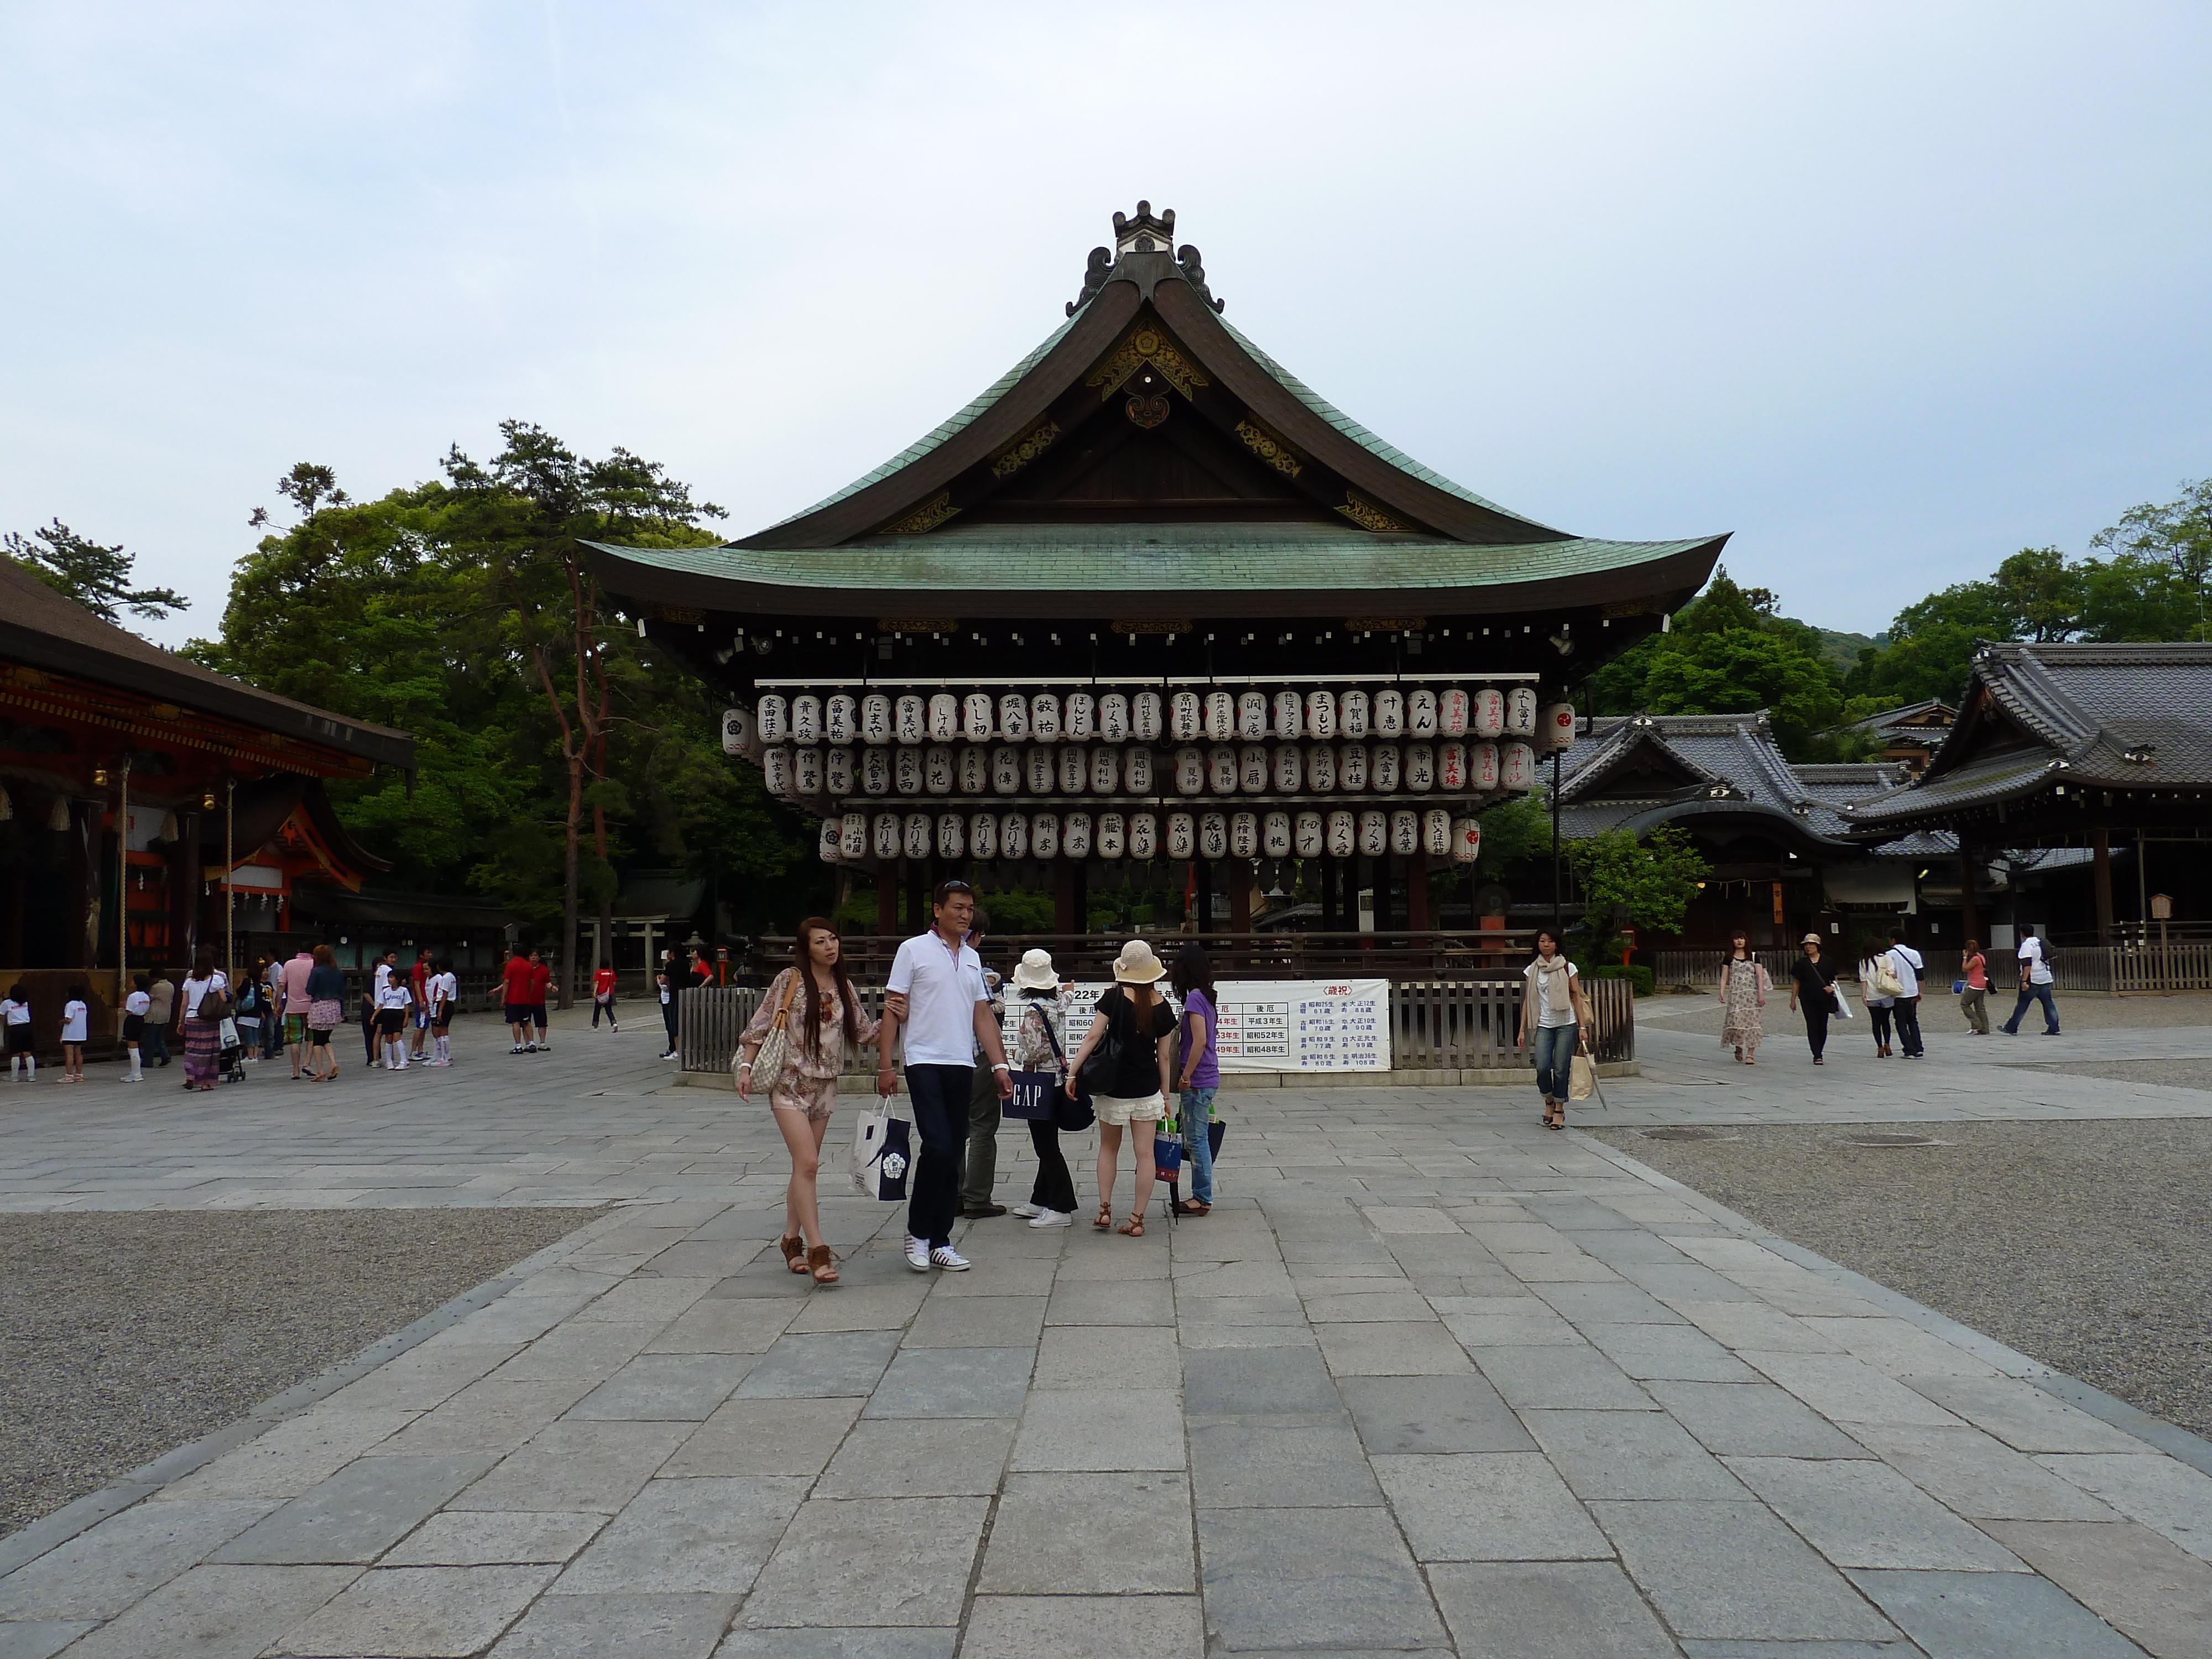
x=233 y=1060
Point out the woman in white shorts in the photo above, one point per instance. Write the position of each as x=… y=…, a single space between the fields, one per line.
x=1143 y=1024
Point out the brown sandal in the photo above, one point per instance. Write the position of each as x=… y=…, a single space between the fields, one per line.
x=794 y=1253
x=818 y=1262
x=1135 y=1226
x=1105 y=1222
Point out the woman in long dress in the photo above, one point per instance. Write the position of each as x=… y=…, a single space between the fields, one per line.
x=202 y=1035
x=1744 y=986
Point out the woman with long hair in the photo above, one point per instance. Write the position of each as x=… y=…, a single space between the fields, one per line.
x=1198 y=1072
x=206 y=988
x=327 y=990
x=1879 y=1007
x=1974 y=1000
x=1744 y=986
x=1554 y=1017
x=1144 y=1027
x=823 y=1021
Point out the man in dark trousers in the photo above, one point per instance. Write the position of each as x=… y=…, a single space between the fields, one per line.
x=979 y=1171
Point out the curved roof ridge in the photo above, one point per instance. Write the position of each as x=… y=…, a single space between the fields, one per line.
x=2032 y=696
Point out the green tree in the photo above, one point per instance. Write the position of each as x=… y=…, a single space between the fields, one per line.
x=1648 y=883
x=97 y=577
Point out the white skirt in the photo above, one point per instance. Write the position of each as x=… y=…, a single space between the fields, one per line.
x=1146 y=1108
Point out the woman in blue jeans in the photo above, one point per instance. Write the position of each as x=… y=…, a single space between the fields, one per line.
x=1198 y=1073
x=1554 y=1017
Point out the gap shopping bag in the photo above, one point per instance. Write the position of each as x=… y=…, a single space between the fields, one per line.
x=883 y=1151
x=1031 y=1100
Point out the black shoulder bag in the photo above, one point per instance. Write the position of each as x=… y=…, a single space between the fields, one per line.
x=1070 y=1114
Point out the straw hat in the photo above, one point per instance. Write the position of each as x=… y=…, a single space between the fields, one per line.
x=1137 y=965
x=1035 y=972
x=1810 y=938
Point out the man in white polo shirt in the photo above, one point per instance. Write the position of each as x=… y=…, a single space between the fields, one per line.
x=936 y=992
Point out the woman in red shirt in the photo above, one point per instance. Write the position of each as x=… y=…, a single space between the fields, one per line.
x=603 y=996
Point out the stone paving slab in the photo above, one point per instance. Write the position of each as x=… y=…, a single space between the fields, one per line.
x=1428 y=1380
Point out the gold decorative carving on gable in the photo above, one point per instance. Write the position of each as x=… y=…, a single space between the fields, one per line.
x=680 y=613
x=1626 y=607
x=1026 y=451
x=930 y=515
x=1367 y=516
x=1269 y=448
x=918 y=624
x=1386 y=624
x=1146 y=344
x=1154 y=625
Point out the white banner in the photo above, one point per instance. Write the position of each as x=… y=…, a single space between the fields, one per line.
x=1276 y=1025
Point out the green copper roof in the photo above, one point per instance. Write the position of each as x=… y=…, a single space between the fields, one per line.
x=1149 y=557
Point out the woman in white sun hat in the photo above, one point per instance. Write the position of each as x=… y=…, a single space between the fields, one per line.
x=1143 y=1026
x=1040 y=1044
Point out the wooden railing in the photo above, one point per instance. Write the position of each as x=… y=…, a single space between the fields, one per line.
x=1392 y=954
x=2134 y=967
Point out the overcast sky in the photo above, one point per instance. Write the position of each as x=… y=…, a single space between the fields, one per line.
x=1889 y=291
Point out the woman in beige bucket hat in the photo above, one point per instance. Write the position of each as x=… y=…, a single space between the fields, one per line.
x=1144 y=1024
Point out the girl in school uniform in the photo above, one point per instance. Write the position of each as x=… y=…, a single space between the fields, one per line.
x=77 y=1019
x=16 y=1010
x=391 y=1005
x=133 y=1025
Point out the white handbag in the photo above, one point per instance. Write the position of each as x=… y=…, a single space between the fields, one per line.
x=768 y=1060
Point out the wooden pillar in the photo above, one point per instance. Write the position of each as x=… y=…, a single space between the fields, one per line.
x=1417 y=893
x=887 y=899
x=917 y=896
x=1240 y=897
x=1384 y=915
x=1201 y=898
x=2104 y=886
x=1327 y=867
x=19 y=894
x=81 y=948
x=1068 y=916
x=1970 y=910
x=185 y=891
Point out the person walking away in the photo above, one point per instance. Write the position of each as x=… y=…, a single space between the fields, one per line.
x=22 y=1053
x=1143 y=1027
x=936 y=992
x=161 y=1014
x=515 y=980
x=1812 y=988
x=1198 y=1072
x=979 y=1168
x=820 y=1028
x=249 y=1016
x=325 y=990
x=1974 y=1000
x=372 y=1009
x=444 y=996
x=541 y=986
x=665 y=990
x=1878 y=980
x=1555 y=1018
x=206 y=991
x=603 y=996
x=393 y=1003
x=293 y=1001
x=1040 y=1045
x=419 y=1015
x=134 y=1027
x=272 y=992
x=76 y=1021
x=1744 y=985
x=2036 y=980
x=1906 y=963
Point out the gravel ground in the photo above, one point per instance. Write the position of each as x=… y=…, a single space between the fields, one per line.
x=125 y=1335
x=2088 y=1246
x=1939 y=1014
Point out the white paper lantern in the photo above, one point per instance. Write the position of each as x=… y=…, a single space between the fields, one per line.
x=1452 y=713
x=1006 y=770
x=1311 y=839
x=912 y=723
x=1405 y=833
x=1320 y=768
x=774 y=719
x=1489 y=717
x=1421 y=714
x=1517 y=767
x=806 y=771
x=875 y=771
x=1044 y=835
x=1343 y=834
x=936 y=769
x=831 y=844
x=739 y=731
x=1190 y=771
x=1252 y=715
x=951 y=836
x=806 y=719
x=1145 y=717
x=1137 y=770
x=906 y=769
x=1275 y=834
x=1482 y=768
x=1289 y=769
x=1221 y=769
x=1451 y=766
x=1114 y=718
x=1466 y=841
x=1044 y=717
x=1143 y=835
x=775 y=772
x=1320 y=715
x=837 y=771
x=1556 y=725
x=1352 y=714
x=1013 y=718
x=1074 y=769
x=1014 y=834
x=1244 y=835
x=1374 y=833
x=887 y=835
x=975 y=717
x=1080 y=722
x=983 y=835
x=1521 y=711
x=1041 y=770
x=1352 y=768
x=1183 y=835
x=1252 y=770
x=1420 y=768
x=876 y=725
x=1187 y=716
x=1437 y=832
x=1105 y=771
x=852 y=834
x=1382 y=769
x=1220 y=716
x=944 y=717
x=917 y=835
x=1075 y=835
x=1111 y=833
x=1290 y=716
x=1213 y=835
x=841 y=723
x=1389 y=714
x=975 y=769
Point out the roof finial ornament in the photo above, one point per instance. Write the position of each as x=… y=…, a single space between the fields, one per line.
x=1195 y=274
x=1144 y=233
x=1094 y=278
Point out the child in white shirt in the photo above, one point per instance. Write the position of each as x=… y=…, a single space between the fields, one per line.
x=16 y=1010
x=392 y=1004
x=133 y=1025
x=76 y=1016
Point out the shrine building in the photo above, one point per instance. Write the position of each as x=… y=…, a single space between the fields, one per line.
x=1150 y=601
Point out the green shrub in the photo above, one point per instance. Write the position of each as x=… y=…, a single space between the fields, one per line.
x=1638 y=976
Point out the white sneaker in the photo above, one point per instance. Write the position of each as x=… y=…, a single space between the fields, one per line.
x=951 y=1260
x=1054 y=1219
x=1027 y=1212
x=917 y=1253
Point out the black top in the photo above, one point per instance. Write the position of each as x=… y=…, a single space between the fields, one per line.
x=1139 y=1075
x=1813 y=978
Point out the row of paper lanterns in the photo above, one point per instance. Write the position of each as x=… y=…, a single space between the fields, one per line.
x=1018 y=836
x=881 y=719
x=795 y=773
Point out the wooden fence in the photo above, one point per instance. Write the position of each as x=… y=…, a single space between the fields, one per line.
x=1434 y=1024
x=2135 y=967
x=1392 y=954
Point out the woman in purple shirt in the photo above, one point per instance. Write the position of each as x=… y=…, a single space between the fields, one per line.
x=1198 y=1073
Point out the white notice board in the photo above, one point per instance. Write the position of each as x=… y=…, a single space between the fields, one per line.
x=1276 y=1025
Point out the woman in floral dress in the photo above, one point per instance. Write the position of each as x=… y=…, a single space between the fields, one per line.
x=1744 y=986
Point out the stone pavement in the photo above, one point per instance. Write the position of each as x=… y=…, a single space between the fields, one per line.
x=1428 y=1380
